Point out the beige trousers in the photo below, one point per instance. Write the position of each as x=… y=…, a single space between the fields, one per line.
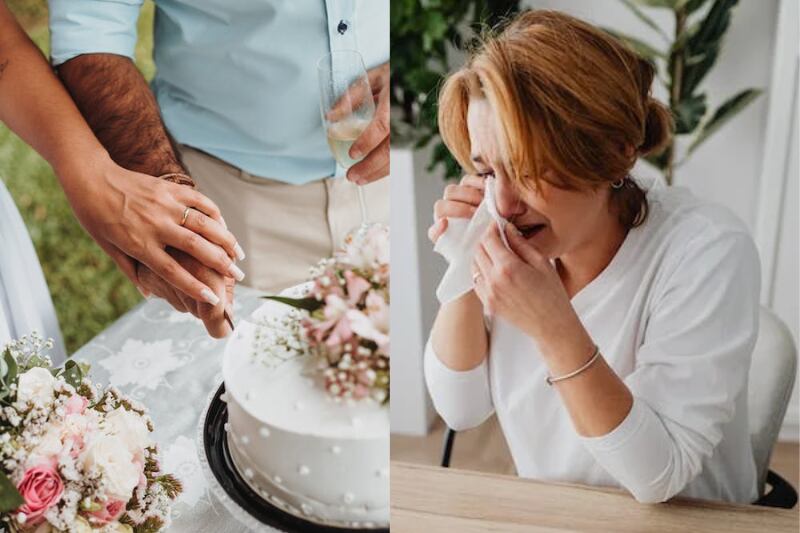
x=284 y=229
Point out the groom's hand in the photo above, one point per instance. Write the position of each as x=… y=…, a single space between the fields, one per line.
x=213 y=316
x=373 y=143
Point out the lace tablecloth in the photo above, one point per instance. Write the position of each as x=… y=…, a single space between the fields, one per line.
x=166 y=360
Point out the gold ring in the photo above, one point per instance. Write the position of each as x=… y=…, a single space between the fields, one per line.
x=185 y=216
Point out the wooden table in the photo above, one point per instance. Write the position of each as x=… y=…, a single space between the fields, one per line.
x=434 y=499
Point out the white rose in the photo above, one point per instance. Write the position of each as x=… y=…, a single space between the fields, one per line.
x=49 y=446
x=110 y=455
x=36 y=386
x=130 y=427
x=81 y=526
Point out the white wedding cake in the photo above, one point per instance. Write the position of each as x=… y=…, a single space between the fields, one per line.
x=323 y=458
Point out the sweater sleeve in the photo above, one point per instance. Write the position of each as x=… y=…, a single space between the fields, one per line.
x=462 y=398
x=690 y=368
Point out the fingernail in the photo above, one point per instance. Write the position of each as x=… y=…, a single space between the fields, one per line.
x=224 y=225
x=239 y=252
x=209 y=296
x=355 y=154
x=236 y=272
x=144 y=292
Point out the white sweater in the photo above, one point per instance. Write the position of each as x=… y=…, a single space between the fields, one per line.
x=675 y=315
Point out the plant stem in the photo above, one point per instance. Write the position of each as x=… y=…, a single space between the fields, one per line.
x=677 y=82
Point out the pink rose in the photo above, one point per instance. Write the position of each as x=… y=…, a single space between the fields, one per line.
x=76 y=404
x=110 y=513
x=41 y=488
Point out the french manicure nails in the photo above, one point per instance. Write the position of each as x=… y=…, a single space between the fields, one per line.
x=209 y=296
x=239 y=252
x=236 y=272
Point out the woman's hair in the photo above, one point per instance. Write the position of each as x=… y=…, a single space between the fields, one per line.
x=568 y=98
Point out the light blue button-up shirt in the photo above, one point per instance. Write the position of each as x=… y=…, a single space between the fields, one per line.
x=235 y=78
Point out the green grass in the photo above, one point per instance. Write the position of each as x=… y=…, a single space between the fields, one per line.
x=88 y=291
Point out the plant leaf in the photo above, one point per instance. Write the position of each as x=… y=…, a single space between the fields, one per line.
x=308 y=303
x=642 y=48
x=10 y=497
x=704 y=45
x=688 y=113
x=73 y=373
x=730 y=108
x=689 y=6
x=668 y=4
x=13 y=367
x=644 y=18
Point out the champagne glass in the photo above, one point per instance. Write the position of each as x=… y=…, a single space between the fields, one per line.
x=347 y=107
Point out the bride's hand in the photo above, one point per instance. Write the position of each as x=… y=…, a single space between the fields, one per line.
x=459 y=201
x=140 y=216
x=522 y=286
x=213 y=316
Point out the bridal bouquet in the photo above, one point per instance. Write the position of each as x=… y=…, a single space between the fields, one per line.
x=74 y=457
x=347 y=320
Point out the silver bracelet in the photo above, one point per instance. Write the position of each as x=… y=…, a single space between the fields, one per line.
x=590 y=362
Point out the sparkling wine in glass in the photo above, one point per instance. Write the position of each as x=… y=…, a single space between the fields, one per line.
x=347 y=107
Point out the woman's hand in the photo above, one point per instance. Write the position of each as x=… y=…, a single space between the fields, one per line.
x=459 y=201
x=135 y=217
x=522 y=286
x=213 y=316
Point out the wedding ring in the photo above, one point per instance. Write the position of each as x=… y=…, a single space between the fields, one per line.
x=475 y=277
x=185 y=216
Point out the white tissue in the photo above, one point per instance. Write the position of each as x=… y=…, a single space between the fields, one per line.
x=459 y=242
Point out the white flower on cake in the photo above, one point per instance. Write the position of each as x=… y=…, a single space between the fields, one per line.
x=36 y=386
x=144 y=364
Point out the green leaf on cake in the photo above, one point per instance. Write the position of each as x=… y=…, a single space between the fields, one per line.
x=10 y=497
x=309 y=304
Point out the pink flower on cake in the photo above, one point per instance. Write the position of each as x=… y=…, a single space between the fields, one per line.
x=109 y=513
x=41 y=488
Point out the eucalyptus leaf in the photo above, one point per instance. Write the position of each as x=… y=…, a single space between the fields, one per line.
x=309 y=304
x=641 y=15
x=730 y=108
x=10 y=497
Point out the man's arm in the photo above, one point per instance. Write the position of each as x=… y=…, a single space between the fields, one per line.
x=116 y=101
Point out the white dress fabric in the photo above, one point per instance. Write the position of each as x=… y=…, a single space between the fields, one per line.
x=675 y=315
x=25 y=304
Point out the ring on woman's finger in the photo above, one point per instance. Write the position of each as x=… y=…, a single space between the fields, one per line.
x=185 y=216
x=475 y=277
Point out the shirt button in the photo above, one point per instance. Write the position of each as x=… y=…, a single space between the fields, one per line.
x=342 y=27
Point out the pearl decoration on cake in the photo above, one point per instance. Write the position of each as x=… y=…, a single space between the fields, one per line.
x=355 y=421
x=277 y=479
x=248 y=473
x=382 y=472
x=307 y=510
x=245 y=440
x=298 y=406
x=348 y=497
x=336 y=450
x=264 y=432
x=303 y=470
x=226 y=427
